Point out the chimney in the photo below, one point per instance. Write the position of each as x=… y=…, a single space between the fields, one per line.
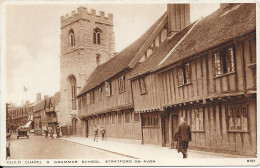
x=38 y=96
x=46 y=96
x=178 y=17
x=27 y=102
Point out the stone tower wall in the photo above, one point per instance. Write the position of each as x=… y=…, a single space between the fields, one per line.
x=80 y=60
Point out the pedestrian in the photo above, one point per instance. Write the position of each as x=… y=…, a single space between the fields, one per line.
x=95 y=133
x=102 y=132
x=51 y=133
x=58 y=132
x=184 y=134
x=46 y=133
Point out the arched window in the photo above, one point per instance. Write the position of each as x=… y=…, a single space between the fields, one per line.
x=72 y=38
x=72 y=90
x=98 y=59
x=96 y=36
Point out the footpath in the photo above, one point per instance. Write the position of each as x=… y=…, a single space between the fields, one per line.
x=138 y=151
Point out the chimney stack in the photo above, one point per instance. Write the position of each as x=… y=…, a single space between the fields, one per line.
x=46 y=96
x=178 y=17
x=38 y=96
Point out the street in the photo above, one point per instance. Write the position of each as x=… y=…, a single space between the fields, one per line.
x=37 y=147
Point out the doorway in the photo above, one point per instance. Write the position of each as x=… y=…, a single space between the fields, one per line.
x=175 y=119
x=86 y=128
x=165 y=130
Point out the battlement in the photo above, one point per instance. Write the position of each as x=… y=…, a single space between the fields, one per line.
x=83 y=13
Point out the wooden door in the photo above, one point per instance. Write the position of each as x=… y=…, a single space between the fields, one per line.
x=165 y=130
x=175 y=119
x=86 y=122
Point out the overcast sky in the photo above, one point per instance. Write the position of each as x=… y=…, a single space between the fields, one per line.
x=33 y=41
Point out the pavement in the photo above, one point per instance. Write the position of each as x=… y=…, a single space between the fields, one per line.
x=138 y=151
x=38 y=147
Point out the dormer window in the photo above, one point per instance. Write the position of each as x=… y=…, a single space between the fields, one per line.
x=96 y=36
x=72 y=38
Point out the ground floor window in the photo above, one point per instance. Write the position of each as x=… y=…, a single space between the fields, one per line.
x=197 y=123
x=107 y=119
x=136 y=117
x=127 y=117
x=151 y=121
x=113 y=118
x=237 y=117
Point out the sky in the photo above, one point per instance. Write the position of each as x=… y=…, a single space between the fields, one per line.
x=33 y=41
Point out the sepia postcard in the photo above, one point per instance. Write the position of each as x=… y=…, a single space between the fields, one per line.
x=120 y=83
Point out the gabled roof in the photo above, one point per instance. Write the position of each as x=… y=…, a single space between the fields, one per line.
x=154 y=59
x=120 y=61
x=217 y=28
x=39 y=106
x=54 y=99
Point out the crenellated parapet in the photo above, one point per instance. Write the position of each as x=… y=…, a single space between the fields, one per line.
x=84 y=13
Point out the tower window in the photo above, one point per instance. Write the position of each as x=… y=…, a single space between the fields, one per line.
x=98 y=59
x=72 y=38
x=72 y=88
x=96 y=36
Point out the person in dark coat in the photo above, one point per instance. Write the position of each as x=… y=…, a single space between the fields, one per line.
x=184 y=136
x=102 y=132
x=95 y=130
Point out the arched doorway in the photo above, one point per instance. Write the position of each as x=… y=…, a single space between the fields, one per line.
x=74 y=126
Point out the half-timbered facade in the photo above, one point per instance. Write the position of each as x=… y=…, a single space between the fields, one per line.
x=106 y=99
x=206 y=73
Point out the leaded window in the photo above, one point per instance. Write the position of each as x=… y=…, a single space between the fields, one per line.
x=142 y=86
x=184 y=74
x=237 y=117
x=224 y=61
x=197 y=119
x=121 y=84
x=150 y=121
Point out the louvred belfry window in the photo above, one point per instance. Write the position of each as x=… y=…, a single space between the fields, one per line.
x=97 y=36
x=72 y=38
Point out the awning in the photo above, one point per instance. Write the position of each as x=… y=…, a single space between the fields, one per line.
x=27 y=124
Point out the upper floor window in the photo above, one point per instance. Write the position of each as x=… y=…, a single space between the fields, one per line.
x=142 y=86
x=72 y=38
x=92 y=97
x=184 y=74
x=224 y=61
x=237 y=117
x=100 y=91
x=121 y=84
x=96 y=36
x=108 y=86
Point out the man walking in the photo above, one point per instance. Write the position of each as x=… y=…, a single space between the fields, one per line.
x=95 y=130
x=102 y=132
x=184 y=134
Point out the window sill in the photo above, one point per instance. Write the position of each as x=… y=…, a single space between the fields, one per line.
x=238 y=131
x=143 y=93
x=151 y=127
x=252 y=65
x=222 y=75
x=194 y=131
x=186 y=84
x=121 y=92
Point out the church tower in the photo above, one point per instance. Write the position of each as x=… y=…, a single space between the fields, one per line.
x=86 y=40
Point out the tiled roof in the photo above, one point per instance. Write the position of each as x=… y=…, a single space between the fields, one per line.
x=39 y=106
x=119 y=62
x=159 y=54
x=219 y=27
